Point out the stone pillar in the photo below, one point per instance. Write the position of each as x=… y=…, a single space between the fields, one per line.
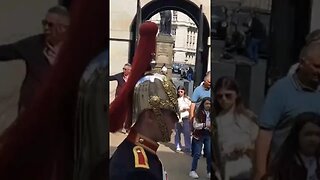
x=315 y=13
x=164 y=53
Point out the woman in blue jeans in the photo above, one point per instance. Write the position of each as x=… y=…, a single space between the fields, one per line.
x=183 y=126
x=202 y=136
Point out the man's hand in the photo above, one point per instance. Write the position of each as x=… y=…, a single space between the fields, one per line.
x=192 y=108
x=51 y=53
x=217 y=174
x=58 y=34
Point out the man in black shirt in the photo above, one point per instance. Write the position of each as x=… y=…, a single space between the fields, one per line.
x=121 y=78
x=38 y=52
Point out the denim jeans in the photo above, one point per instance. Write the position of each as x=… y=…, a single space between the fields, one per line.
x=189 y=77
x=196 y=149
x=253 y=49
x=184 y=128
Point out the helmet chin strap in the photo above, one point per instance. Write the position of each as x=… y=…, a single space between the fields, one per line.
x=165 y=135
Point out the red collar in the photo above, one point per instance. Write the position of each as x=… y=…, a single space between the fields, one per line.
x=143 y=141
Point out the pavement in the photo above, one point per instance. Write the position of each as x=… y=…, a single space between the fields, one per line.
x=177 y=165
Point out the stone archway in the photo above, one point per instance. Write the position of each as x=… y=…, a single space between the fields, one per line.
x=187 y=7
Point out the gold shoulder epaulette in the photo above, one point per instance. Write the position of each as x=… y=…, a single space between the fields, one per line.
x=140 y=158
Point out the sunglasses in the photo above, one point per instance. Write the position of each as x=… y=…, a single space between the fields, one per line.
x=226 y=95
x=50 y=24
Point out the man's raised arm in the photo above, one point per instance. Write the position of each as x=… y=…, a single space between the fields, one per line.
x=262 y=149
x=8 y=52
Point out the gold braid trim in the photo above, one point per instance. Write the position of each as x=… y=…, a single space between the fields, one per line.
x=157 y=104
x=171 y=92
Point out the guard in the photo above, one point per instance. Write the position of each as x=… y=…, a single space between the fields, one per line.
x=151 y=103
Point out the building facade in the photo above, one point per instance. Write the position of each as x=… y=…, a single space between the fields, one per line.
x=122 y=13
x=184 y=32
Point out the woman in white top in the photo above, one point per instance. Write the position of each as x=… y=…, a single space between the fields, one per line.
x=236 y=131
x=183 y=126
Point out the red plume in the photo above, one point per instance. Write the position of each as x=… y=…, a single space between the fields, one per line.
x=39 y=145
x=121 y=107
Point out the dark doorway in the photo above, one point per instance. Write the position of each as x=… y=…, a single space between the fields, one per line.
x=190 y=9
x=290 y=23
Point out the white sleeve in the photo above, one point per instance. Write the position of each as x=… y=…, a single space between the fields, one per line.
x=180 y=107
x=189 y=102
x=197 y=125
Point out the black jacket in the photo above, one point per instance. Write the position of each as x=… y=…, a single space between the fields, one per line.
x=119 y=78
x=257 y=29
x=31 y=51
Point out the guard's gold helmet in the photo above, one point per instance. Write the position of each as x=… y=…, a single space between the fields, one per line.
x=155 y=91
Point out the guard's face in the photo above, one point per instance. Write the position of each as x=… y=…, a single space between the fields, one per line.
x=226 y=98
x=169 y=119
x=309 y=139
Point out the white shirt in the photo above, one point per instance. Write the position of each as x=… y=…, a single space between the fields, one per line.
x=293 y=69
x=184 y=103
x=230 y=126
x=208 y=120
x=125 y=78
x=235 y=132
x=311 y=164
